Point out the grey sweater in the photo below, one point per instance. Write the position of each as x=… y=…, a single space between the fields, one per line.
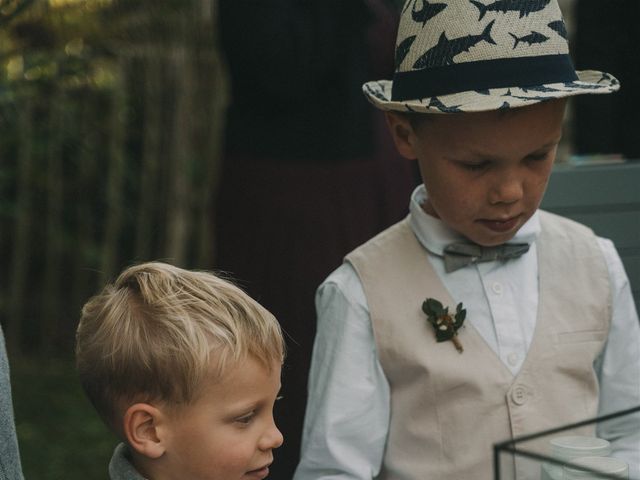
x=120 y=467
x=10 y=468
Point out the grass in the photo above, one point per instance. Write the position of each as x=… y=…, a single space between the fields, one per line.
x=60 y=435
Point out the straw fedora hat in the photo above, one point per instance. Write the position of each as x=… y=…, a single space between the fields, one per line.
x=479 y=55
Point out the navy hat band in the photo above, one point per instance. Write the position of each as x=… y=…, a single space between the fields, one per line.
x=520 y=72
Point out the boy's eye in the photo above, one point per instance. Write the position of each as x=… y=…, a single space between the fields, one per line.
x=537 y=157
x=246 y=419
x=475 y=167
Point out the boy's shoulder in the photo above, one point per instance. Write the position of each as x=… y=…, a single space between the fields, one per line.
x=554 y=228
x=383 y=238
x=557 y=225
x=550 y=222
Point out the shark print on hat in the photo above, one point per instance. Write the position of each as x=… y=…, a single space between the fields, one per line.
x=607 y=78
x=540 y=89
x=446 y=50
x=403 y=49
x=573 y=85
x=482 y=55
x=524 y=7
x=533 y=37
x=427 y=12
x=530 y=99
x=560 y=28
x=435 y=102
x=373 y=90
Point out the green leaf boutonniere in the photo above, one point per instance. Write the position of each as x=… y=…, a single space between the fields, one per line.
x=445 y=324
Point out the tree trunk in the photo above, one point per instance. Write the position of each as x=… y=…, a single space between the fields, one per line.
x=215 y=123
x=54 y=229
x=22 y=230
x=84 y=260
x=179 y=211
x=147 y=215
x=115 y=180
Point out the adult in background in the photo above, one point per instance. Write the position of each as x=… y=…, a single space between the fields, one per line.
x=10 y=468
x=306 y=158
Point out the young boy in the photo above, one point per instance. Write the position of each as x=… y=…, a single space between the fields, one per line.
x=185 y=368
x=551 y=334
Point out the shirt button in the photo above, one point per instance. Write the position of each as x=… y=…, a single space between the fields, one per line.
x=497 y=288
x=512 y=359
x=519 y=395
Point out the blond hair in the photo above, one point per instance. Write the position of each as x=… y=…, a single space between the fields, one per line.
x=159 y=330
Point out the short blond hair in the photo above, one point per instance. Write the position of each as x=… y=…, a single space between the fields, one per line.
x=157 y=331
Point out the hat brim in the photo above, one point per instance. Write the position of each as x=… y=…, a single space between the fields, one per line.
x=589 y=82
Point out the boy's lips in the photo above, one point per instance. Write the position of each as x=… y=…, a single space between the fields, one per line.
x=259 y=473
x=500 y=226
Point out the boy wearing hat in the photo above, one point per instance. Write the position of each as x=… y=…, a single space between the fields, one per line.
x=551 y=334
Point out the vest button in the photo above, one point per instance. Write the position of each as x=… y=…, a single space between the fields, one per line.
x=519 y=395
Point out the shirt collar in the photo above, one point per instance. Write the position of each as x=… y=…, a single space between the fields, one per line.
x=435 y=235
x=120 y=466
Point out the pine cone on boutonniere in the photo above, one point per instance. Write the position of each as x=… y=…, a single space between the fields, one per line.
x=445 y=325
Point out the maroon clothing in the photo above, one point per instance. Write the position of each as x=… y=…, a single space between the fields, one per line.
x=310 y=171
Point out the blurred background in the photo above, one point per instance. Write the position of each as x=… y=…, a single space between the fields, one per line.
x=212 y=134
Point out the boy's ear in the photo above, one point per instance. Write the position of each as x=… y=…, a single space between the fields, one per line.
x=143 y=430
x=402 y=134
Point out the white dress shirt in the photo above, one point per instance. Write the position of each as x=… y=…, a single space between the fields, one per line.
x=347 y=417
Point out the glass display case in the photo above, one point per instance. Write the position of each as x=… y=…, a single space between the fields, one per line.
x=575 y=451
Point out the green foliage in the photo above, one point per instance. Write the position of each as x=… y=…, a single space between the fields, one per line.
x=90 y=94
x=59 y=434
x=54 y=43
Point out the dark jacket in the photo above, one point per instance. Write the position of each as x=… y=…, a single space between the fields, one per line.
x=297 y=69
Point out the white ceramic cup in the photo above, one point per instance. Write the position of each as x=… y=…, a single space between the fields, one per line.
x=608 y=465
x=566 y=448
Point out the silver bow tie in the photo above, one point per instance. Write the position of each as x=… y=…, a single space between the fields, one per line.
x=458 y=255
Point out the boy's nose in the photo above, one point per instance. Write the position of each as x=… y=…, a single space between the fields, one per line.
x=507 y=189
x=272 y=438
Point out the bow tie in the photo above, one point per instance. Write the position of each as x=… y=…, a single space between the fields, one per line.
x=458 y=255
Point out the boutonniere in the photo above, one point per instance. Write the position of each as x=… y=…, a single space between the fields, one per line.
x=445 y=324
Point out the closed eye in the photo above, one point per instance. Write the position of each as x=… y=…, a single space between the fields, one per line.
x=246 y=419
x=475 y=167
x=542 y=154
x=538 y=156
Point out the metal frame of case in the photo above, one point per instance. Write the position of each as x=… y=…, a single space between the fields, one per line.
x=514 y=448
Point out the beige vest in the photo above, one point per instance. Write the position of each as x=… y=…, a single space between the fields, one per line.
x=449 y=408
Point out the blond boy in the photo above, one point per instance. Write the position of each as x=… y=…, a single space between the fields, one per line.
x=184 y=367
